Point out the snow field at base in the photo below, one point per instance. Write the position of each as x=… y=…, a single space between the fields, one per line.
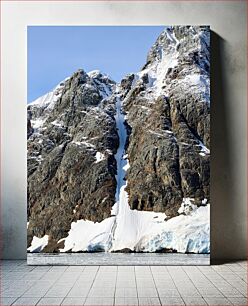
x=132 y=225
x=184 y=233
x=86 y=235
x=142 y=231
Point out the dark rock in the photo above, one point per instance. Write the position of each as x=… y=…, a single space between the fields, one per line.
x=166 y=133
x=65 y=181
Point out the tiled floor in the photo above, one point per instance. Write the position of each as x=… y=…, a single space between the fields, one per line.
x=123 y=285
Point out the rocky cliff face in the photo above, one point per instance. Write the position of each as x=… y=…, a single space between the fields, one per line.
x=73 y=138
x=168 y=114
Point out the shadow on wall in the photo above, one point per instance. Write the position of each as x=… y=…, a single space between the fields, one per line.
x=223 y=226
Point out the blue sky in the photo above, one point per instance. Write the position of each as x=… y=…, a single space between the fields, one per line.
x=55 y=52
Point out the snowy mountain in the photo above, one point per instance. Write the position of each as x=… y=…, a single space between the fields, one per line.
x=125 y=167
x=168 y=114
x=72 y=140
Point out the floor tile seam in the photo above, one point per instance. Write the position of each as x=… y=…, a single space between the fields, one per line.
x=175 y=284
x=39 y=298
x=193 y=284
x=98 y=268
x=79 y=275
x=231 y=284
x=116 y=282
x=136 y=285
x=155 y=287
x=229 y=299
x=213 y=284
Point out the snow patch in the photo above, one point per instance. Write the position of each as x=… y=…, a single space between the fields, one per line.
x=156 y=133
x=105 y=91
x=99 y=157
x=133 y=225
x=88 y=236
x=83 y=143
x=157 y=72
x=168 y=61
x=94 y=73
x=38 y=244
x=201 y=82
x=184 y=233
x=127 y=166
x=48 y=100
x=204 y=201
x=204 y=150
x=56 y=123
x=187 y=206
x=37 y=123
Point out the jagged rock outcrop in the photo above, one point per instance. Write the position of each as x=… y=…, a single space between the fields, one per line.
x=72 y=140
x=168 y=115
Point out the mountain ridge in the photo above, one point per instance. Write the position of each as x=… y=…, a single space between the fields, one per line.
x=73 y=142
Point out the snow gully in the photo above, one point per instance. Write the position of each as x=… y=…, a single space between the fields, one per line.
x=121 y=164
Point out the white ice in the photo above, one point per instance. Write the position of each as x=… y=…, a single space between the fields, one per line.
x=95 y=73
x=187 y=206
x=48 y=100
x=56 y=123
x=119 y=156
x=184 y=233
x=86 y=235
x=204 y=149
x=83 y=143
x=99 y=157
x=36 y=124
x=132 y=225
x=38 y=244
x=106 y=91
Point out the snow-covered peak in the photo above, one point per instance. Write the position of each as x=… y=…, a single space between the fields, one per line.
x=103 y=82
x=94 y=73
x=48 y=100
x=178 y=59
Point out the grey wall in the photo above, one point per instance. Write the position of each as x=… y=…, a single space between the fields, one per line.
x=229 y=96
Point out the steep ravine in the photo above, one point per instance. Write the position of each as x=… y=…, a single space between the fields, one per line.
x=121 y=163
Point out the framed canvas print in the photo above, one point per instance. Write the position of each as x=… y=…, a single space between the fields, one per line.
x=118 y=141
